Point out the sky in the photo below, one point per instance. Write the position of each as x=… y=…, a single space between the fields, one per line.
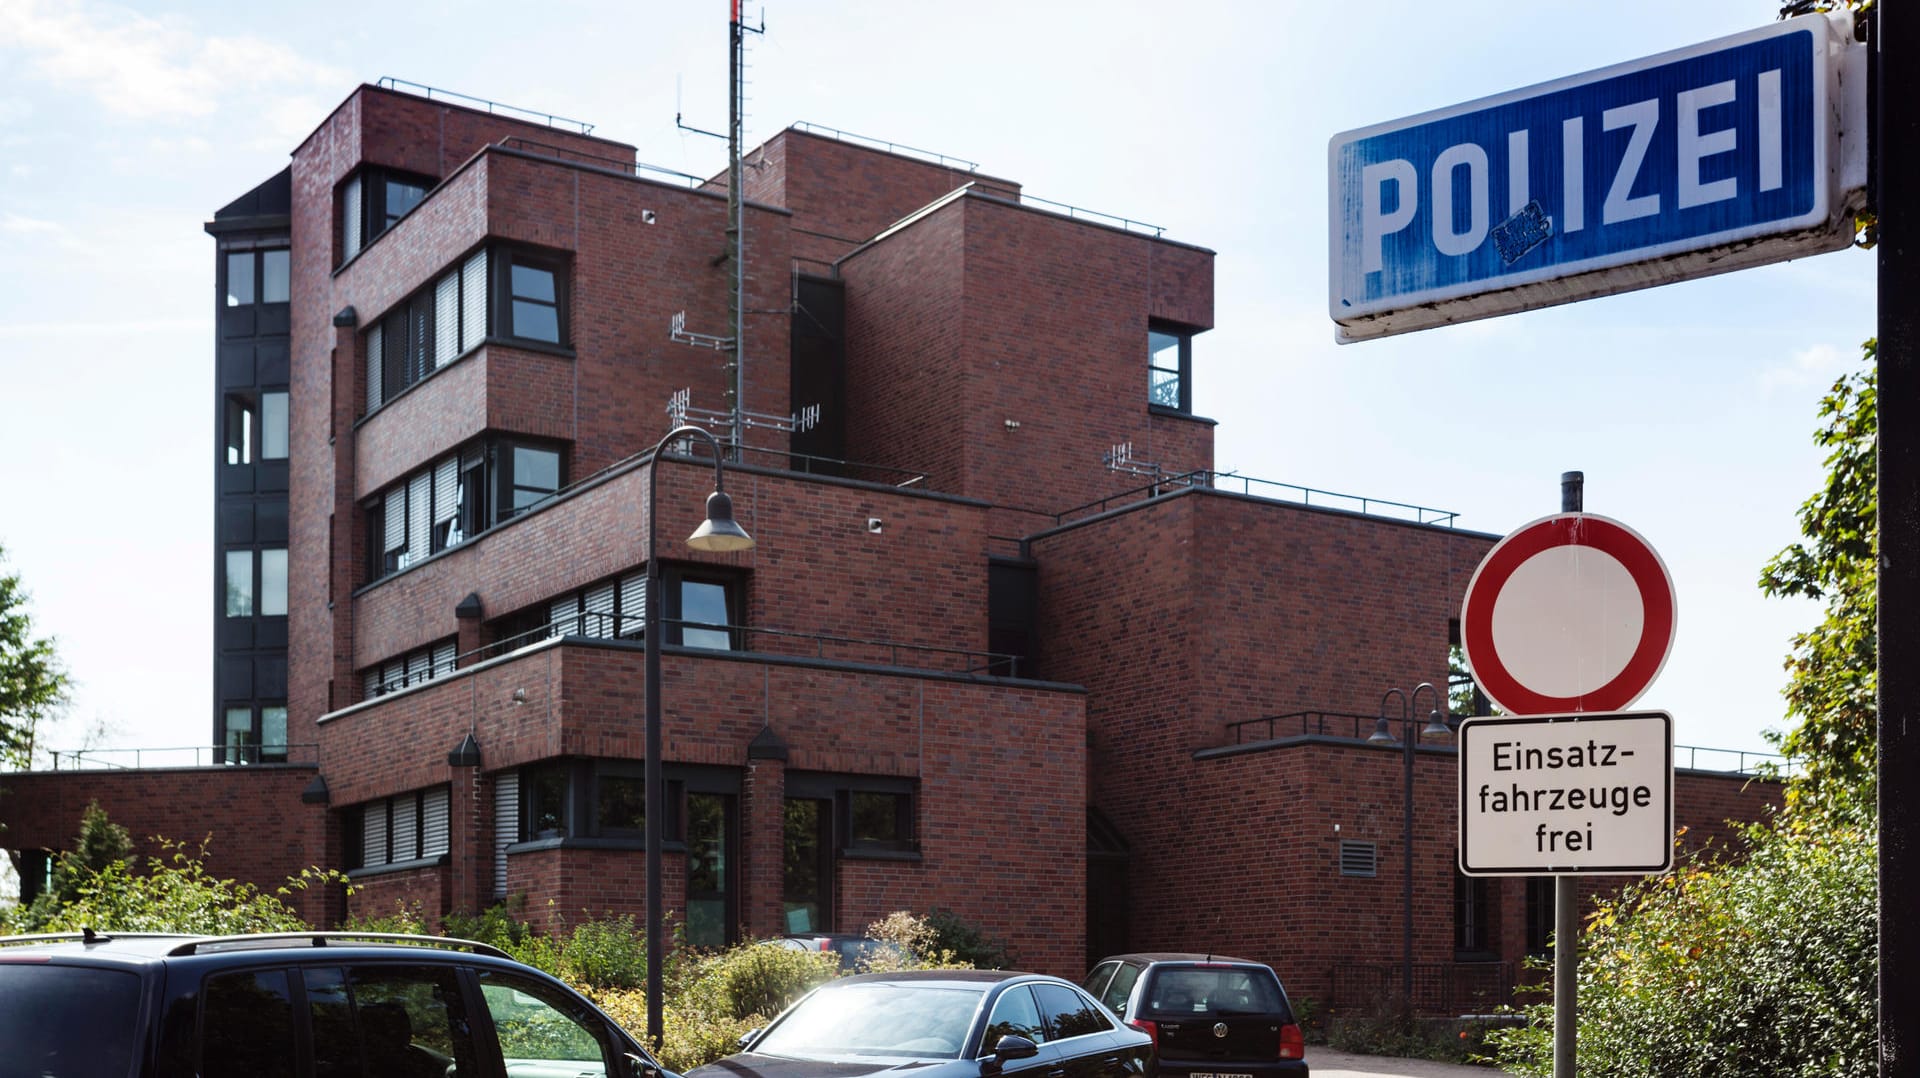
x=1690 y=407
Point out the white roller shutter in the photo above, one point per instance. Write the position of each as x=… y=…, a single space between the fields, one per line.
x=419 y=516
x=406 y=828
x=433 y=822
x=446 y=319
x=419 y=667
x=396 y=514
x=633 y=605
x=444 y=659
x=446 y=491
x=599 y=621
x=370 y=684
x=506 y=825
x=373 y=835
x=473 y=300
x=564 y=617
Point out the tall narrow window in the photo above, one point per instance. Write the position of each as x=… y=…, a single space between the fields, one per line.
x=532 y=477
x=273 y=733
x=535 y=309
x=807 y=866
x=1170 y=367
x=240 y=421
x=240 y=739
x=239 y=583
x=239 y=278
x=708 y=872
x=273 y=583
x=275 y=270
x=704 y=602
x=273 y=426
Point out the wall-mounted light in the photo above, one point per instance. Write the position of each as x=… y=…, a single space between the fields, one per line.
x=519 y=697
x=875 y=525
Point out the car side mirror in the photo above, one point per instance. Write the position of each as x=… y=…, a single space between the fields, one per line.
x=1011 y=1046
x=640 y=1066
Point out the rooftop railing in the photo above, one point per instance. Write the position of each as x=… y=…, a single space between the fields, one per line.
x=180 y=756
x=1266 y=489
x=1349 y=725
x=633 y=167
x=434 y=93
x=929 y=156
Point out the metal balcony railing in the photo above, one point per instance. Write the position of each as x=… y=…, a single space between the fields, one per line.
x=434 y=93
x=181 y=756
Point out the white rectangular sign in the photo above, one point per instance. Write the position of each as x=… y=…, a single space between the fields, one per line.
x=1673 y=166
x=1585 y=794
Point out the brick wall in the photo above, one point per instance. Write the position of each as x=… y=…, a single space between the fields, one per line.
x=1003 y=351
x=257 y=829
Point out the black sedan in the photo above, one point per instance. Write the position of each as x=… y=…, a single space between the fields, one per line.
x=942 y=1024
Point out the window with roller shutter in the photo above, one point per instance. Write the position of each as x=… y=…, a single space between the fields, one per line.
x=410 y=827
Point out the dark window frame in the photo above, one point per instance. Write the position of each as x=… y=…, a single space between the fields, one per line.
x=256 y=259
x=841 y=788
x=375 y=220
x=674 y=577
x=1182 y=372
x=506 y=484
x=356 y=829
x=502 y=261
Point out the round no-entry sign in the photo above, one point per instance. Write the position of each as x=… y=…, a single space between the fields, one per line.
x=1572 y=612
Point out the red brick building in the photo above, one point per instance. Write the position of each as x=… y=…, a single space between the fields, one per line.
x=1006 y=644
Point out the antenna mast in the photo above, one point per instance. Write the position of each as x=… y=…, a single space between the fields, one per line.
x=737 y=221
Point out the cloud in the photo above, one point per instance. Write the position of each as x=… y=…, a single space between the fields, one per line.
x=145 y=68
x=140 y=328
x=1809 y=368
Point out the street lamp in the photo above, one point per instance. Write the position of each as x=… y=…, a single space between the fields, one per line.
x=717 y=534
x=1436 y=727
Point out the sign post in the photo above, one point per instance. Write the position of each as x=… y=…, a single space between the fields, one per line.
x=1572 y=613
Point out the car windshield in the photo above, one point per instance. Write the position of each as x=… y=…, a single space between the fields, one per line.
x=922 y=1021
x=67 y=1019
x=1214 y=991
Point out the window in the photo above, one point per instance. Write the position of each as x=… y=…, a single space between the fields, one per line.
x=396 y=830
x=534 y=301
x=240 y=428
x=1170 y=367
x=413 y=668
x=583 y=799
x=271 y=591
x=273 y=583
x=388 y=1020
x=1014 y=1015
x=257 y=277
x=610 y=610
x=245 y=740
x=872 y=814
x=529 y=476
x=1472 y=916
x=807 y=865
x=1539 y=914
x=373 y=201
x=702 y=608
x=710 y=917
x=256 y=430
x=239 y=583
x=540 y=1030
x=882 y=821
x=427 y=330
x=240 y=278
x=457 y=497
x=247 y=1026
x=1068 y=1012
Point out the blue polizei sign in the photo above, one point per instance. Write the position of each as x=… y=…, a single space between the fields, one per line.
x=1702 y=160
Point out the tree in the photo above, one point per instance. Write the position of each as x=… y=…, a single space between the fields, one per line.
x=1832 y=684
x=33 y=684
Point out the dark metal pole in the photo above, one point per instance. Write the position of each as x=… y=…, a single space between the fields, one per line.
x=1407 y=734
x=1896 y=43
x=1566 y=905
x=654 y=773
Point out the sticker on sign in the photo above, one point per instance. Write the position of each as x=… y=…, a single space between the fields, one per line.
x=1578 y=794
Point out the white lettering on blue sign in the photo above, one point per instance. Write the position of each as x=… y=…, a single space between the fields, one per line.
x=1691 y=150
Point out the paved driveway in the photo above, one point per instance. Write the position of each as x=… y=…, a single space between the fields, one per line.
x=1326 y=1063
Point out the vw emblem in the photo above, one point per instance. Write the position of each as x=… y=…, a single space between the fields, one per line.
x=1219 y=1029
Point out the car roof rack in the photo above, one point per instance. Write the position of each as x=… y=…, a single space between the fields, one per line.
x=89 y=936
x=243 y=941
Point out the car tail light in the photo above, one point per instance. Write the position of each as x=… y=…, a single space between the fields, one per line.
x=826 y=945
x=1151 y=1029
x=1293 y=1045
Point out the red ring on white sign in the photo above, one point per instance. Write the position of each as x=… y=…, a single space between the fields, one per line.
x=1611 y=537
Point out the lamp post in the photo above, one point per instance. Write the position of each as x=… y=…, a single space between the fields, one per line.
x=1382 y=735
x=717 y=534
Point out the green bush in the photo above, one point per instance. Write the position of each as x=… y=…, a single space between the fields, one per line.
x=176 y=894
x=607 y=953
x=713 y=999
x=1759 y=967
x=965 y=943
